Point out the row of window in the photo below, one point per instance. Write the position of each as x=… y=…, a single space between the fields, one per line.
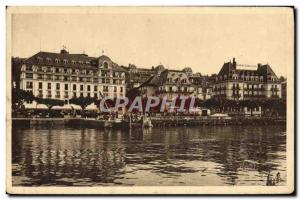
x=74 y=71
x=29 y=85
x=250 y=93
x=66 y=95
x=236 y=77
x=171 y=80
x=171 y=89
x=74 y=94
x=237 y=86
x=256 y=78
x=65 y=61
x=74 y=78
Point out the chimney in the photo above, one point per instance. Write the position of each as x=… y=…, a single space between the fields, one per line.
x=234 y=63
x=259 y=65
x=64 y=51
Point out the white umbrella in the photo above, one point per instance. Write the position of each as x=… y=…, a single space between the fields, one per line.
x=67 y=107
x=57 y=108
x=41 y=106
x=29 y=105
x=75 y=107
x=91 y=107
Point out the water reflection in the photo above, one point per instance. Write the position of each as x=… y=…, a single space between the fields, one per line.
x=229 y=155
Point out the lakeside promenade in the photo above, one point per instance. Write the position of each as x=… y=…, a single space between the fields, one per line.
x=166 y=121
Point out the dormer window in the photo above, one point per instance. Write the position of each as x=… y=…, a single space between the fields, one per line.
x=39 y=59
x=28 y=68
x=56 y=60
x=80 y=62
x=87 y=62
x=105 y=64
x=65 y=61
x=73 y=62
x=48 y=59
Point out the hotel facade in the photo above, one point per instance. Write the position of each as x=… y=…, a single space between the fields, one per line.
x=237 y=83
x=64 y=76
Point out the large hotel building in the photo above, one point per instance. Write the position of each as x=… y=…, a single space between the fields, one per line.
x=240 y=82
x=64 y=76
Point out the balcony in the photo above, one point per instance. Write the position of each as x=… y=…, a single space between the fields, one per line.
x=57 y=96
x=66 y=96
x=29 y=69
x=254 y=96
x=73 y=78
x=95 y=80
x=274 y=89
x=235 y=88
x=220 y=95
x=236 y=95
x=48 y=95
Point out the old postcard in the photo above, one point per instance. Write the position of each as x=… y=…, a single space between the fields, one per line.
x=150 y=100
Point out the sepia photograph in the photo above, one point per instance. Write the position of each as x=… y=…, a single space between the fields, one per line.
x=150 y=100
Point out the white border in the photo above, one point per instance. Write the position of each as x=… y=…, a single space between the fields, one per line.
x=88 y=2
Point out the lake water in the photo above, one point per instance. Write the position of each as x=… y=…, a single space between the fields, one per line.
x=196 y=156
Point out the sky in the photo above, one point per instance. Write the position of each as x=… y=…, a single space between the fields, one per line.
x=197 y=39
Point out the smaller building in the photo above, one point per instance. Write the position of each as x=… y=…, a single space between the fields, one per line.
x=202 y=86
x=169 y=83
x=135 y=76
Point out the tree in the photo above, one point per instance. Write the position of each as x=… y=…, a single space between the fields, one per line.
x=282 y=78
x=274 y=107
x=19 y=97
x=199 y=102
x=83 y=102
x=133 y=93
x=16 y=64
x=49 y=102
